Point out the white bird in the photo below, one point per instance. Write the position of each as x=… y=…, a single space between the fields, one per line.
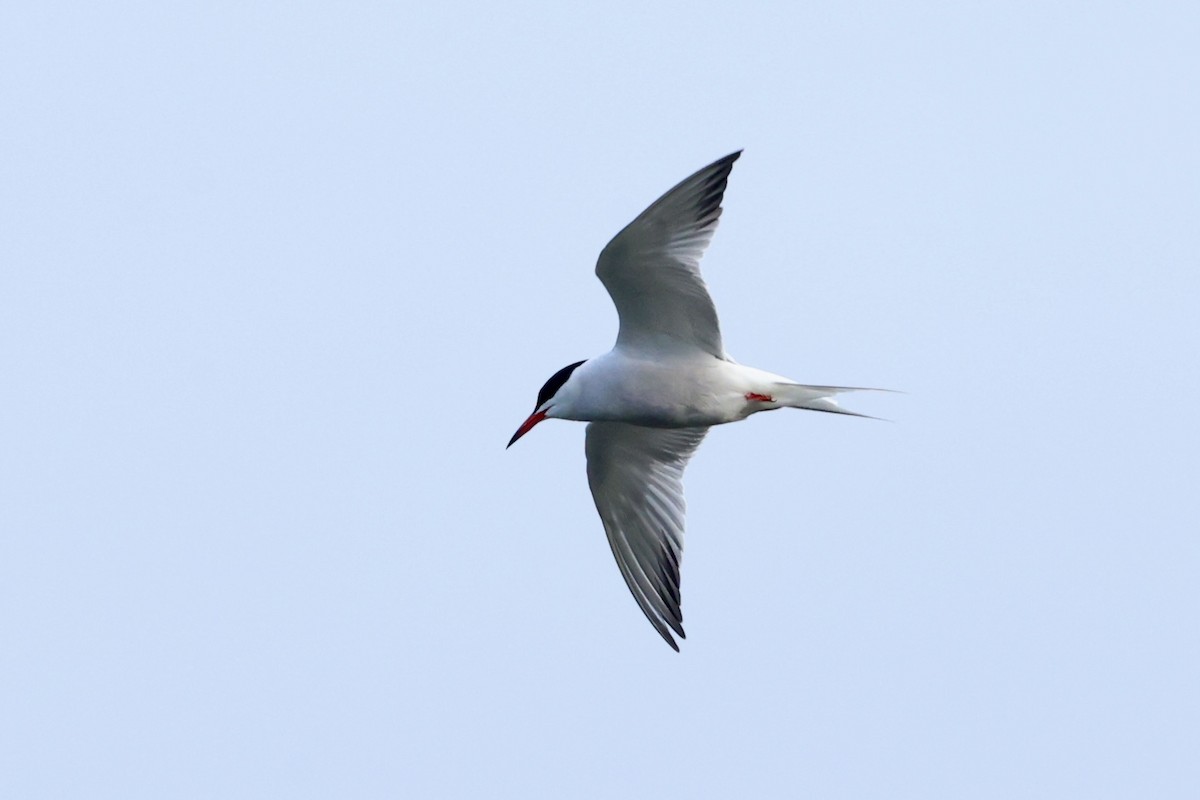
x=667 y=380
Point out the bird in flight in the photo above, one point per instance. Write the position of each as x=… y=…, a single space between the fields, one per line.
x=651 y=399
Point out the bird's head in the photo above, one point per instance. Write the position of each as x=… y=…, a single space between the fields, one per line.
x=545 y=401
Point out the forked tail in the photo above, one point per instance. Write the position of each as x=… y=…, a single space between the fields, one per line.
x=816 y=398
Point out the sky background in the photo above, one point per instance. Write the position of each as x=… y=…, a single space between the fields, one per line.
x=279 y=280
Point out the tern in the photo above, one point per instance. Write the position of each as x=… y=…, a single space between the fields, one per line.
x=651 y=399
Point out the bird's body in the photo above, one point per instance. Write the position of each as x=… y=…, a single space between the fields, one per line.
x=684 y=391
x=667 y=380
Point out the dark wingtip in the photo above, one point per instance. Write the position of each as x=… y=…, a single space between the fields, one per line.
x=726 y=161
x=671 y=639
x=729 y=159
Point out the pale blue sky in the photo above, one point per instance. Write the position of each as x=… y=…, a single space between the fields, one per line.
x=278 y=282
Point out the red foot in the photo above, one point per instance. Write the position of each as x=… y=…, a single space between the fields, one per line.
x=755 y=397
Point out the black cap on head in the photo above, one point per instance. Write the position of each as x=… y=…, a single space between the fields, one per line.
x=555 y=383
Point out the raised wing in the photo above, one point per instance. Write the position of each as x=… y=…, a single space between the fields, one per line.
x=636 y=476
x=652 y=268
